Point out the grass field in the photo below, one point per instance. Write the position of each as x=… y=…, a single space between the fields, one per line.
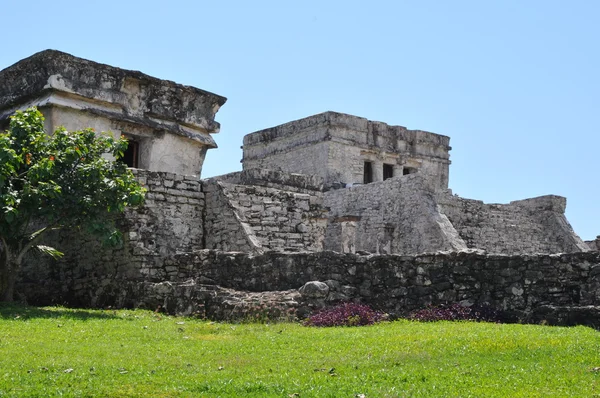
x=49 y=352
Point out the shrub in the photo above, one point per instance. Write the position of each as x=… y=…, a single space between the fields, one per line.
x=455 y=312
x=346 y=314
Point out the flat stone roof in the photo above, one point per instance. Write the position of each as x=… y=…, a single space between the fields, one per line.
x=119 y=93
x=351 y=122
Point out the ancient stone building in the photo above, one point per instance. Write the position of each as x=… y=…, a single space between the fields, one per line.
x=347 y=150
x=169 y=125
x=385 y=191
x=361 y=205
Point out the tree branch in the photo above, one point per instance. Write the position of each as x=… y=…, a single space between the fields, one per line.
x=36 y=236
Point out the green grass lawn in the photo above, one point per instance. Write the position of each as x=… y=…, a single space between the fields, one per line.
x=47 y=352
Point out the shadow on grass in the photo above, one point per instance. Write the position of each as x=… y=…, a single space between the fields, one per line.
x=21 y=311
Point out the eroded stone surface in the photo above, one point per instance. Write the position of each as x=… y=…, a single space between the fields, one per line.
x=170 y=122
x=392 y=283
x=336 y=146
x=314 y=289
x=536 y=225
x=399 y=215
x=226 y=246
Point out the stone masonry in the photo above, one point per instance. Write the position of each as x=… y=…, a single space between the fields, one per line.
x=536 y=225
x=169 y=125
x=347 y=150
x=399 y=215
x=357 y=208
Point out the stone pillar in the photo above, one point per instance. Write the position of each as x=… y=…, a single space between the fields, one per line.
x=377 y=170
x=348 y=236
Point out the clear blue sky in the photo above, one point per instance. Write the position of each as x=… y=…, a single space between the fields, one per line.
x=515 y=84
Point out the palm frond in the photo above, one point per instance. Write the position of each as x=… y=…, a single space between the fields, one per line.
x=49 y=251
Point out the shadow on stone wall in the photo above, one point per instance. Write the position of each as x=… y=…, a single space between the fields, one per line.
x=532 y=287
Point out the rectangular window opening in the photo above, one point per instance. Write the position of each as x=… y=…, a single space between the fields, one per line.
x=131 y=155
x=388 y=171
x=368 y=173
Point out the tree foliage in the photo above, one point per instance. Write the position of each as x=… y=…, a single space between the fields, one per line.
x=67 y=179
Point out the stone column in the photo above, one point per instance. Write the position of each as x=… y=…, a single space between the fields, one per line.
x=377 y=170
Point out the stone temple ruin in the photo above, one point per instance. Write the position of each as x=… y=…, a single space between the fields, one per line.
x=328 y=208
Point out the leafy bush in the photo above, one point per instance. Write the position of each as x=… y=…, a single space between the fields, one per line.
x=455 y=312
x=346 y=314
x=63 y=180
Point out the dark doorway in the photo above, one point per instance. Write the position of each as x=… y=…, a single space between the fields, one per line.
x=131 y=155
x=368 y=173
x=388 y=171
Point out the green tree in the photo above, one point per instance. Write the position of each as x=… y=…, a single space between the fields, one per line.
x=48 y=182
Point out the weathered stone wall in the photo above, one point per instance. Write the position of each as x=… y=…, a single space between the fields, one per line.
x=399 y=215
x=224 y=228
x=536 y=225
x=393 y=283
x=399 y=284
x=169 y=222
x=594 y=244
x=292 y=182
x=335 y=146
x=297 y=147
x=171 y=123
x=308 y=159
x=279 y=211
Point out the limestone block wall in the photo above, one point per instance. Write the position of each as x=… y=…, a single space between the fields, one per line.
x=594 y=244
x=536 y=225
x=336 y=146
x=393 y=283
x=281 y=220
x=260 y=146
x=169 y=222
x=224 y=228
x=309 y=159
x=399 y=215
x=399 y=284
x=171 y=219
x=292 y=182
x=283 y=213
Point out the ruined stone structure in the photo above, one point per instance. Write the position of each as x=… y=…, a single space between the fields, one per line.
x=169 y=125
x=347 y=150
x=359 y=205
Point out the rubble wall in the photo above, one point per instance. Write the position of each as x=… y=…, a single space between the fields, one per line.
x=536 y=225
x=398 y=284
x=169 y=222
x=224 y=228
x=393 y=283
x=283 y=213
x=293 y=182
x=399 y=215
x=594 y=245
